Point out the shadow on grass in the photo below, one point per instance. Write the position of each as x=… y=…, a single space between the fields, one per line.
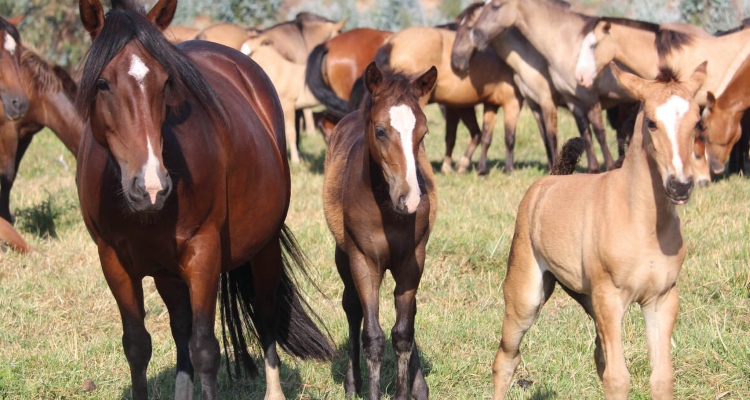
x=39 y=219
x=314 y=162
x=162 y=386
x=496 y=166
x=387 y=368
x=542 y=394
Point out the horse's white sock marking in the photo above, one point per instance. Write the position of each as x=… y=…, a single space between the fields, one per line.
x=586 y=65
x=183 y=387
x=138 y=70
x=151 y=175
x=273 y=382
x=404 y=121
x=10 y=43
x=670 y=114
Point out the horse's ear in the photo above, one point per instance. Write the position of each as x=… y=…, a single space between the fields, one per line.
x=162 y=13
x=607 y=26
x=696 y=80
x=339 y=26
x=373 y=77
x=92 y=16
x=426 y=82
x=15 y=21
x=710 y=100
x=630 y=82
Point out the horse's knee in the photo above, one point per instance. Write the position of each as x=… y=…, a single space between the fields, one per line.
x=137 y=346
x=205 y=353
x=402 y=336
x=616 y=383
x=373 y=342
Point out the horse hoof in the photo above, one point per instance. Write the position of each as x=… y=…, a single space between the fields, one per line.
x=508 y=171
x=446 y=168
x=483 y=171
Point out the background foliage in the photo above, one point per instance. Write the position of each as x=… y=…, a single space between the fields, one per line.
x=53 y=26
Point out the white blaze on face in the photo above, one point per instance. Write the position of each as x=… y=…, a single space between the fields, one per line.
x=138 y=70
x=10 y=43
x=151 y=174
x=670 y=114
x=586 y=65
x=404 y=121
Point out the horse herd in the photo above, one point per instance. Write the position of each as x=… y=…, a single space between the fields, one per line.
x=183 y=175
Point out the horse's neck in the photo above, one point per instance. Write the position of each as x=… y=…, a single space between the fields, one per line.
x=645 y=193
x=560 y=45
x=736 y=98
x=738 y=68
x=57 y=112
x=636 y=49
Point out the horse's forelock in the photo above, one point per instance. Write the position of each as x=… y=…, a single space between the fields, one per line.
x=667 y=75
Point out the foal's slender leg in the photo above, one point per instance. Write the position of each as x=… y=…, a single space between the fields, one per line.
x=451 y=126
x=539 y=118
x=407 y=277
x=135 y=339
x=267 y=267
x=660 y=316
x=367 y=280
x=488 y=126
x=202 y=264
x=291 y=130
x=549 y=115
x=469 y=117
x=176 y=297
x=353 y=309
x=608 y=313
x=597 y=122
x=525 y=289
x=583 y=127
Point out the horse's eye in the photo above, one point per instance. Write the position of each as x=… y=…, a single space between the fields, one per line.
x=102 y=85
x=651 y=125
x=265 y=43
x=380 y=133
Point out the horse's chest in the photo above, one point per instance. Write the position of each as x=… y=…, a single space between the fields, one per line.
x=388 y=240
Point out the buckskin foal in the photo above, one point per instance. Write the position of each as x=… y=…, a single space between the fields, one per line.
x=380 y=204
x=610 y=239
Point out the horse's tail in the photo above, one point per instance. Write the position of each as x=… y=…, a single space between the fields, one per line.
x=296 y=332
x=13 y=238
x=569 y=156
x=314 y=79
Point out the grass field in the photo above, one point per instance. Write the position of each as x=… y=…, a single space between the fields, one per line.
x=59 y=325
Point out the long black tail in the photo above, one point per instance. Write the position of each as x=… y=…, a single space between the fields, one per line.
x=314 y=79
x=297 y=332
x=569 y=156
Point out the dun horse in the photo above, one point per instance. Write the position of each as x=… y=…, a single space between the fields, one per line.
x=610 y=239
x=380 y=203
x=183 y=176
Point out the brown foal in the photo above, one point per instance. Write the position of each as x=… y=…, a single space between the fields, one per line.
x=610 y=239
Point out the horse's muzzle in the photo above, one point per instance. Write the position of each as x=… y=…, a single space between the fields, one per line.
x=15 y=106
x=141 y=200
x=679 y=192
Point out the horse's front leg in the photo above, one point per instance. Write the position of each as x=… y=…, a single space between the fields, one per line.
x=353 y=309
x=136 y=341
x=407 y=277
x=660 y=316
x=201 y=262
x=176 y=297
x=609 y=310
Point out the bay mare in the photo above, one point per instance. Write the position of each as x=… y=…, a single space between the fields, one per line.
x=380 y=204
x=610 y=239
x=555 y=32
x=183 y=176
x=488 y=81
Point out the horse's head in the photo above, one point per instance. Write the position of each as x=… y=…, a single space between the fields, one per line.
x=496 y=16
x=595 y=53
x=394 y=129
x=667 y=121
x=132 y=73
x=463 y=46
x=721 y=124
x=12 y=89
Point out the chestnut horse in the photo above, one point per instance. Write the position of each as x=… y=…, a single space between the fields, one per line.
x=610 y=239
x=51 y=93
x=380 y=203
x=182 y=176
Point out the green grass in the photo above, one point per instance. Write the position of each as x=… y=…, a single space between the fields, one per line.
x=59 y=325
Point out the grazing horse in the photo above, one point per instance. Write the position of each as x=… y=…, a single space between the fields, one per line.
x=51 y=93
x=380 y=203
x=610 y=239
x=183 y=176
x=723 y=115
x=488 y=81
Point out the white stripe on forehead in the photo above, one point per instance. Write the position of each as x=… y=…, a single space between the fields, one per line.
x=404 y=121
x=151 y=174
x=670 y=114
x=10 y=43
x=138 y=69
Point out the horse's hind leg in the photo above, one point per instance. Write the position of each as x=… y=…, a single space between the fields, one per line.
x=488 y=126
x=597 y=122
x=353 y=309
x=583 y=128
x=660 y=316
x=176 y=297
x=525 y=289
x=451 y=126
x=290 y=128
x=135 y=339
x=407 y=278
x=469 y=117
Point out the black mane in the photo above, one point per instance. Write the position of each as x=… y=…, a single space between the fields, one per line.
x=124 y=23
